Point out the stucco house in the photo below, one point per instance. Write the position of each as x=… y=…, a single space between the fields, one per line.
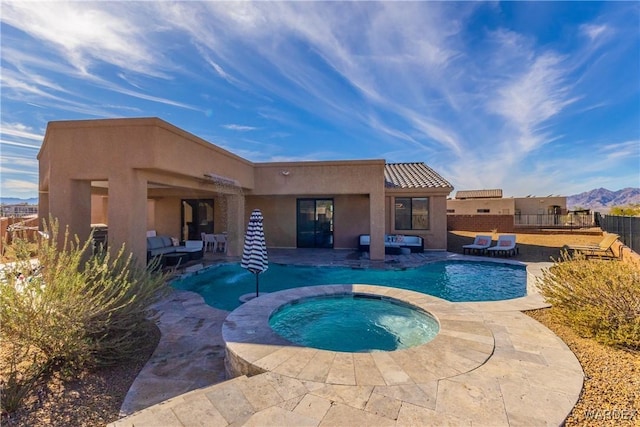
x=491 y=202
x=140 y=174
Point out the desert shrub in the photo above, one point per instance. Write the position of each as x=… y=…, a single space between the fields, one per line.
x=599 y=299
x=72 y=310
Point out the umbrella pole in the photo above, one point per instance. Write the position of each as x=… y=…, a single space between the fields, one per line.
x=257 y=284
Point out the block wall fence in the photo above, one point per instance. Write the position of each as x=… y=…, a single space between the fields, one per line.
x=487 y=223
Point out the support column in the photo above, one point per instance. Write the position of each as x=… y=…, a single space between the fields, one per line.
x=69 y=201
x=127 y=214
x=376 y=219
x=235 y=224
x=43 y=207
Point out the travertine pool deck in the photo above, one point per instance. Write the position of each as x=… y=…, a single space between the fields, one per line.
x=489 y=365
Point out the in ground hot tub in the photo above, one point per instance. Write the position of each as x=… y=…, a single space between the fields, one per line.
x=353 y=322
x=462 y=343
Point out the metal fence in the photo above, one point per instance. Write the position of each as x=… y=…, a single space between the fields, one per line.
x=627 y=227
x=554 y=221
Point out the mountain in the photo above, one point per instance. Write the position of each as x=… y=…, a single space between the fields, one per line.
x=16 y=201
x=602 y=199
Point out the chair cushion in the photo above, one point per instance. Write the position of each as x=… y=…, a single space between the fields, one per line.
x=154 y=242
x=194 y=244
x=166 y=241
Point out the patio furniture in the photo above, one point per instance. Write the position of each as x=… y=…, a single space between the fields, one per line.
x=480 y=244
x=393 y=243
x=175 y=259
x=162 y=245
x=209 y=241
x=506 y=245
x=194 y=248
x=602 y=249
x=220 y=243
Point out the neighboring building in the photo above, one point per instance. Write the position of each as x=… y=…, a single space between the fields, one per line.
x=491 y=202
x=18 y=210
x=134 y=175
x=482 y=210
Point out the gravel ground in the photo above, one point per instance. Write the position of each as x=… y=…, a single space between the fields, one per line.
x=611 y=390
x=93 y=399
x=611 y=393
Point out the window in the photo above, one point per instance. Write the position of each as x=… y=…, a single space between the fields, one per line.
x=451 y=211
x=483 y=210
x=412 y=213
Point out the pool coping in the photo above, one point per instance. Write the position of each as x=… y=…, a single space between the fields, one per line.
x=252 y=347
x=532 y=378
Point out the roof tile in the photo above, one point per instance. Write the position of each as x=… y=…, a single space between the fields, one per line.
x=412 y=175
x=479 y=194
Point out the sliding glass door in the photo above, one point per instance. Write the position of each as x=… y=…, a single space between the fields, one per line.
x=315 y=223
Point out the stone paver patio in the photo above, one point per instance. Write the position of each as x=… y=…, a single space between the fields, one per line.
x=489 y=365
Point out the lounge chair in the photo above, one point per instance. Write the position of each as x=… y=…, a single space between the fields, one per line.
x=506 y=245
x=602 y=249
x=480 y=244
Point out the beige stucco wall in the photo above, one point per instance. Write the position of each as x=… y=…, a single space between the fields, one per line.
x=279 y=214
x=131 y=155
x=355 y=186
x=147 y=166
x=435 y=238
x=99 y=207
x=471 y=206
x=507 y=206
x=351 y=220
x=280 y=226
x=540 y=205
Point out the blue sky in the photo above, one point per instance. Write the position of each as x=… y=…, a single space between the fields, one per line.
x=532 y=97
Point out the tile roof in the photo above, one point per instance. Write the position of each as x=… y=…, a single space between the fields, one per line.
x=479 y=194
x=412 y=175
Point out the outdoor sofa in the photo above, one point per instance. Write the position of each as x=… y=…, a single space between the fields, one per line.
x=393 y=243
x=163 y=245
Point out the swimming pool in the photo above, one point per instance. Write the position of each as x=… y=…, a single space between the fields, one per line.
x=222 y=285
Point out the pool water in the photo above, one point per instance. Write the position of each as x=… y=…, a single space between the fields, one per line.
x=455 y=281
x=353 y=323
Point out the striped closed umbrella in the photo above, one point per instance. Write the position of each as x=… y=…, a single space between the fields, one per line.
x=254 y=254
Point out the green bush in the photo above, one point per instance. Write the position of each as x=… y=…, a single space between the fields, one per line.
x=72 y=310
x=599 y=299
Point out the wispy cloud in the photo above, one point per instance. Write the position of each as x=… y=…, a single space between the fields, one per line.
x=5 y=143
x=240 y=128
x=627 y=150
x=593 y=31
x=20 y=186
x=482 y=101
x=86 y=32
x=20 y=130
x=19 y=160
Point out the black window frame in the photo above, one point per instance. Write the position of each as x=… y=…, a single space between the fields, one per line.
x=411 y=215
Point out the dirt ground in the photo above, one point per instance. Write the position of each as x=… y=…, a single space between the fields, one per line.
x=612 y=376
x=533 y=247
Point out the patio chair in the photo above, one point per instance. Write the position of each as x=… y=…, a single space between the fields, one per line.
x=480 y=244
x=506 y=245
x=220 y=244
x=209 y=241
x=602 y=249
